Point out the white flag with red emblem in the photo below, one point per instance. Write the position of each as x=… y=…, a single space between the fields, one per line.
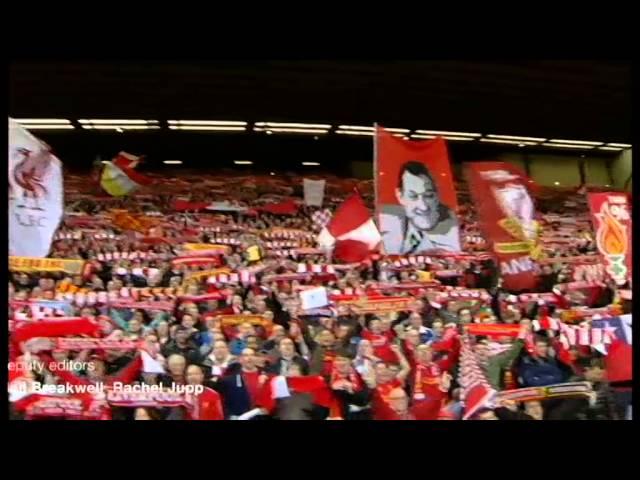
x=35 y=194
x=351 y=232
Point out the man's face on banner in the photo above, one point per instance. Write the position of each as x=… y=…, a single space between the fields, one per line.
x=419 y=198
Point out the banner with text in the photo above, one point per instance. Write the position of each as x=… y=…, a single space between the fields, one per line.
x=506 y=213
x=34 y=264
x=612 y=224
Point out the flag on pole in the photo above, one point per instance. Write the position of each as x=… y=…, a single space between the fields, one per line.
x=351 y=232
x=119 y=177
x=35 y=194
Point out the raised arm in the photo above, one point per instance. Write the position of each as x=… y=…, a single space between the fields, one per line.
x=65 y=375
x=130 y=372
x=405 y=368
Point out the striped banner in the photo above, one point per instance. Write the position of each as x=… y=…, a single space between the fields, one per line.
x=35 y=264
x=560 y=390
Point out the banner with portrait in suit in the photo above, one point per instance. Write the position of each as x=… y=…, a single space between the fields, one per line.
x=415 y=197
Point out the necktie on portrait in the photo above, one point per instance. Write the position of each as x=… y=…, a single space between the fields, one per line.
x=414 y=242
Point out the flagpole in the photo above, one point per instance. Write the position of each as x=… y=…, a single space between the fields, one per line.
x=376 y=215
x=375 y=173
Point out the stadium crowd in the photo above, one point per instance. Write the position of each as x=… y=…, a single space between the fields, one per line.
x=230 y=317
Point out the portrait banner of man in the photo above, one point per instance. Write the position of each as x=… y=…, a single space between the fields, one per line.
x=415 y=196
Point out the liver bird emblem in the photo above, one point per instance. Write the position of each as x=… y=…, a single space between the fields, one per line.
x=29 y=173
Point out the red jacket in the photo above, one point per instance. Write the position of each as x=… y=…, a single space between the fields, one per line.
x=426 y=378
x=381 y=344
x=207 y=406
x=426 y=410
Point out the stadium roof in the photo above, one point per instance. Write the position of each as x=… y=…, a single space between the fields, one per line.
x=560 y=100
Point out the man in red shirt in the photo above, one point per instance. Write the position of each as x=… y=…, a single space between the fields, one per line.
x=427 y=374
x=397 y=407
x=380 y=341
x=349 y=389
x=386 y=381
x=206 y=405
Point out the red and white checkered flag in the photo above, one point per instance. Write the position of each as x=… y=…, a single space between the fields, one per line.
x=321 y=218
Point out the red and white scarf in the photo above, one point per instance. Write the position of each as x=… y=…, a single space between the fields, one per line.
x=476 y=392
x=337 y=379
x=315 y=268
x=425 y=373
x=281 y=244
x=243 y=276
x=79 y=235
x=75 y=407
x=126 y=294
x=224 y=240
x=287 y=234
x=295 y=252
x=111 y=256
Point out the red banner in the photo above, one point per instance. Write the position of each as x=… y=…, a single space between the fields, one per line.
x=612 y=224
x=506 y=212
x=287 y=207
x=415 y=196
x=492 y=329
x=378 y=304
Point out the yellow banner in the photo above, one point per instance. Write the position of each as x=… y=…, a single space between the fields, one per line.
x=424 y=276
x=34 y=264
x=513 y=247
x=138 y=223
x=205 y=273
x=230 y=320
x=196 y=247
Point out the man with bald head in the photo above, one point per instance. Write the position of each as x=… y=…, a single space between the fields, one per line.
x=206 y=405
x=176 y=364
x=243 y=385
x=397 y=405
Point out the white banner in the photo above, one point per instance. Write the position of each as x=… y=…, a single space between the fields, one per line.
x=314 y=298
x=225 y=206
x=35 y=194
x=314 y=192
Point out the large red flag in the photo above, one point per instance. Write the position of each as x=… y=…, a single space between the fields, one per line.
x=351 y=232
x=415 y=197
x=612 y=224
x=500 y=192
x=619 y=362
